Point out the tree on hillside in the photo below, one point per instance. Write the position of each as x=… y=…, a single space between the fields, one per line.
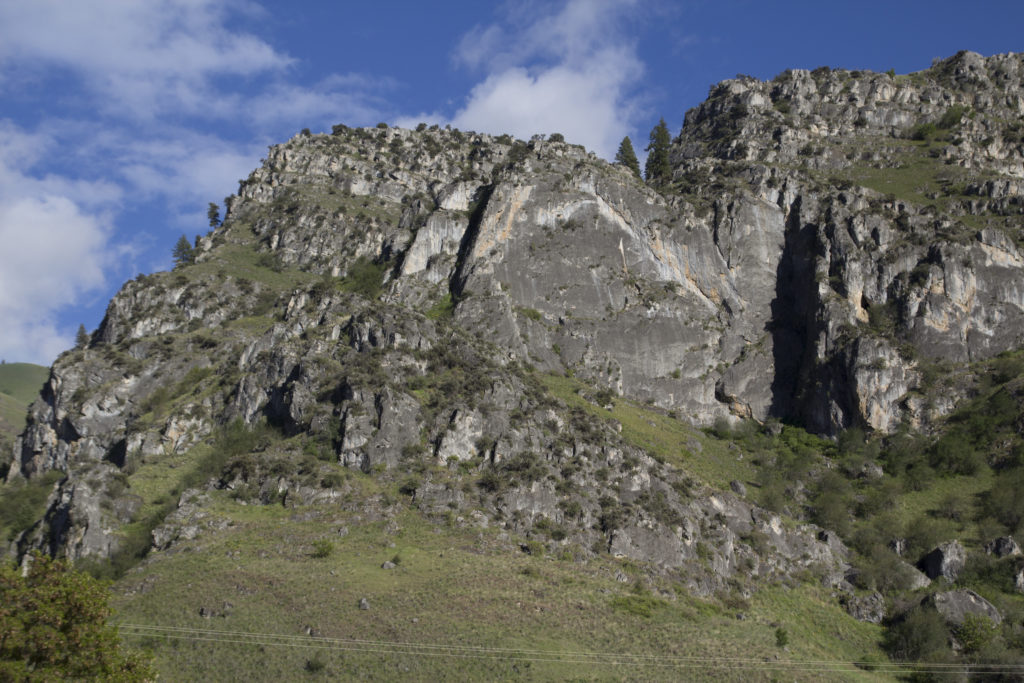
x=81 y=338
x=53 y=627
x=213 y=213
x=657 y=169
x=183 y=252
x=627 y=157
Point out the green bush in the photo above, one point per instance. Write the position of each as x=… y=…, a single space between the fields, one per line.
x=920 y=636
x=525 y=466
x=781 y=637
x=955 y=453
x=322 y=548
x=924 y=131
x=315 y=664
x=952 y=117
x=365 y=278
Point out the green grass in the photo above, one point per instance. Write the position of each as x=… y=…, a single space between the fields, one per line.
x=916 y=504
x=443 y=309
x=454 y=588
x=22 y=381
x=917 y=175
x=19 y=386
x=663 y=437
x=243 y=261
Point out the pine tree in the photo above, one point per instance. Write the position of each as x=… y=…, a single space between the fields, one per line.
x=627 y=157
x=213 y=213
x=183 y=252
x=81 y=338
x=657 y=170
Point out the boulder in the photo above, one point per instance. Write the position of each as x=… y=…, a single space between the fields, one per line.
x=955 y=606
x=1004 y=546
x=946 y=561
x=869 y=608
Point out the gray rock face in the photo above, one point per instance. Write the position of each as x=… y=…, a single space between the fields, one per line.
x=946 y=561
x=391 y=293
x=955 y=606
x=869 y=608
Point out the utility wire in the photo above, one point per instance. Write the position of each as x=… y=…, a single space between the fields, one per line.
x=559 y=656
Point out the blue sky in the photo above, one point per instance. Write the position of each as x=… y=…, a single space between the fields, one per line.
x=120 y=121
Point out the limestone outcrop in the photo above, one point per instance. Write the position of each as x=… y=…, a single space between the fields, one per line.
x=825 y=240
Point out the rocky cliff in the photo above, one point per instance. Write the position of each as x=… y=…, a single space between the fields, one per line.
x=398 y=302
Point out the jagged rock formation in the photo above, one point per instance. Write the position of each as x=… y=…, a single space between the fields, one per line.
x=393 y=295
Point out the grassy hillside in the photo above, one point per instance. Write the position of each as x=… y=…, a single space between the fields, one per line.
x=19 y=386
x=22 y=381
x=274 y=595
x=272 y=591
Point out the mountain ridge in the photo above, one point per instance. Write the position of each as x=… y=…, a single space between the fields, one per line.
x=522 y=332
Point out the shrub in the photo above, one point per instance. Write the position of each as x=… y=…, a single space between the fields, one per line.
x=322 y=548
x=491 y=481
x=924 y=131
x=952 y=116
x=364 y=277
x=955 y=454
x=332 y=480
x=920 y=635
x=315 y=664
x=975 y=633
x=781 y=637
x=525 y=466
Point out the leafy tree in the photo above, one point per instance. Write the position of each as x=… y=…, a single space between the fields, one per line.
x=657 y=170
x=627 y=157
x=183 y=252
x=556 y=137
x=81 y=337
x=53 y=627
x=921 y=635
x=213 y=213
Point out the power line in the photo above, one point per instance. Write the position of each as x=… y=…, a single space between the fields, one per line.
x=553 y=656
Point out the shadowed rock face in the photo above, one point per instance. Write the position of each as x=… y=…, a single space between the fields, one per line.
x=388 y=291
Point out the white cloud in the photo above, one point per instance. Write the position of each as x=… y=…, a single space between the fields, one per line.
x=140 y=56
x=125 y=82
x=338 y=98
x=54 y=233
x=159 y=58
x=570 y=73
x=185 y=168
